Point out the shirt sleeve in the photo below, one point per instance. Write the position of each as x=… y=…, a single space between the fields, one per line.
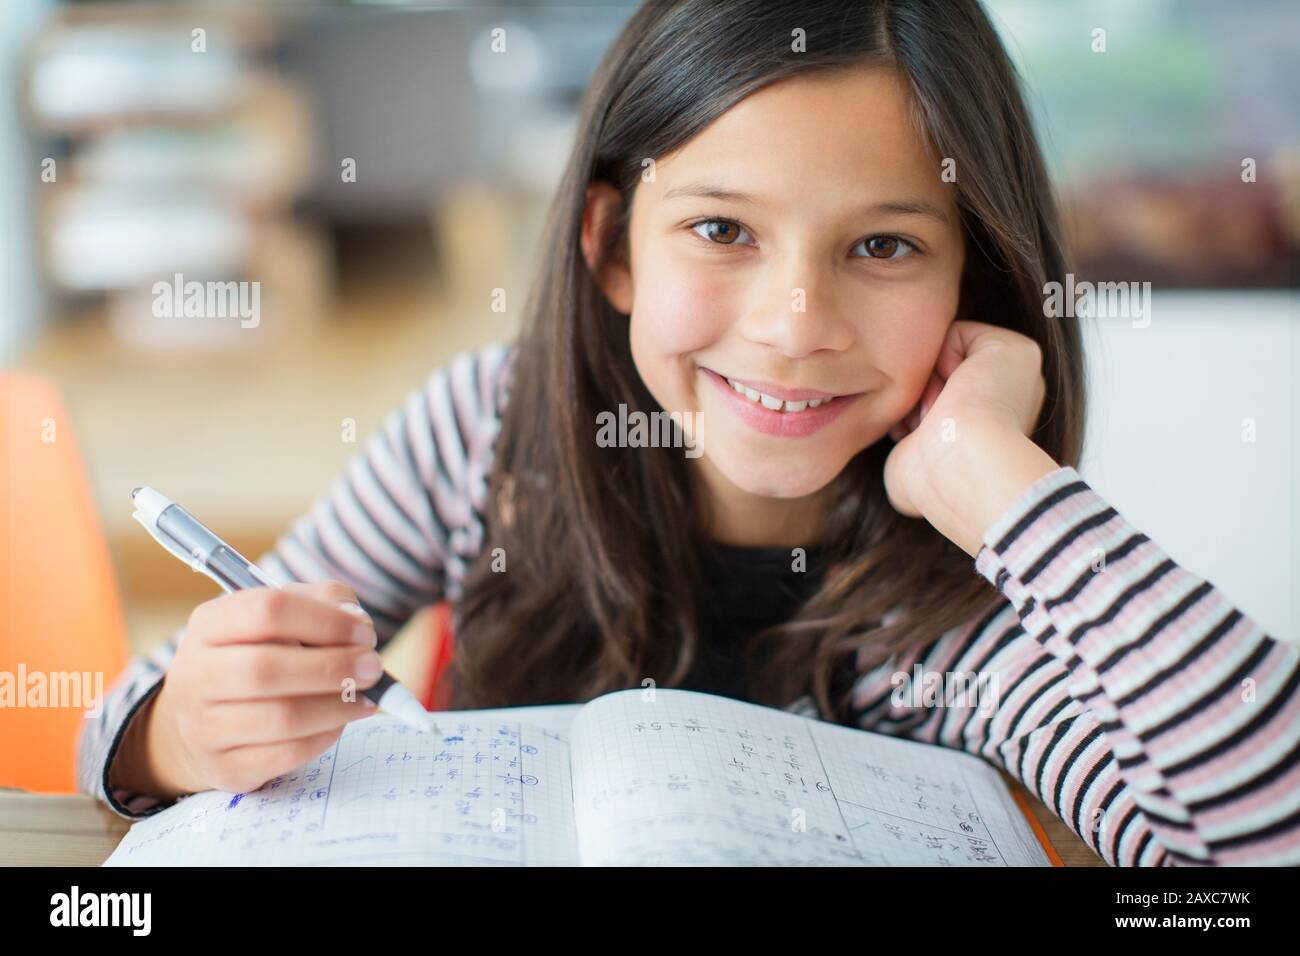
x=401 y=526
x=1153 y=717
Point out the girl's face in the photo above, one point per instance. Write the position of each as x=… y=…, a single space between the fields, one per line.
x=805 y=249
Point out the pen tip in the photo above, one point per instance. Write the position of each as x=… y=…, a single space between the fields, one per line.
x=134 y=492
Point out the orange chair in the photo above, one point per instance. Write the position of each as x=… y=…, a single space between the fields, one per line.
x=60 y=613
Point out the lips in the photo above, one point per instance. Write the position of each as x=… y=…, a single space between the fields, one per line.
x=775 y=410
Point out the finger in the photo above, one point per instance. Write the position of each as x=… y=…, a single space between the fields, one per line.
x=334 y=592
x=951 y=354
x=967 y=338
x=918 y=413
x=256 y=671
x=931 y=394
x=247 y=768
x=283 y=719
x=337 y=592
x=904 y=426
x=266 y=614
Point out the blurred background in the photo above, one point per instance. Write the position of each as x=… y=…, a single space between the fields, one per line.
x=378 y=169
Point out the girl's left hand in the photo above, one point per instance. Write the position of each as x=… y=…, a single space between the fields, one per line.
x=987 y=381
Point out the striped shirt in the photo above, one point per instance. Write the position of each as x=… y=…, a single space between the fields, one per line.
x=1159 y=722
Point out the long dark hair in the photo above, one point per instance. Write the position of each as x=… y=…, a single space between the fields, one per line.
x=601 y=544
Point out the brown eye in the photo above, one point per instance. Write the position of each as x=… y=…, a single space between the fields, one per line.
x=719 y=231
x=882 y=247
x=888 y=248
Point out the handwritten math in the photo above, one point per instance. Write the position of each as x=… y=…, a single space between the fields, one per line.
x=672 y=777
x=478 y=792
x=678 y=777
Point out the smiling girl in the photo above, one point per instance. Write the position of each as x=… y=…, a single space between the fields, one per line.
x=822 y=230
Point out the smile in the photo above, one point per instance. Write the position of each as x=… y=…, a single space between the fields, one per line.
x=774 y=403
x=779 y=411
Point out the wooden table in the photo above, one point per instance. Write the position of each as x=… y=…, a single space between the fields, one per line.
x=38 y=829
x=44 y=830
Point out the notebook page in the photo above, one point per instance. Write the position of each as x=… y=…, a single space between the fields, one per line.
x=487 y=789
x=695 y=778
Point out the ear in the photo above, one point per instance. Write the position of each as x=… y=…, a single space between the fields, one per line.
x=599 y=220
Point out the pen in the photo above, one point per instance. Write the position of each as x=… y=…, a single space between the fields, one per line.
x=181 y=533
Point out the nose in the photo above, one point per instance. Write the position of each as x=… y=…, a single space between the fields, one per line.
x=797 y=312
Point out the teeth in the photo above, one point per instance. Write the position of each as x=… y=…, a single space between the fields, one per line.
x=775 y=404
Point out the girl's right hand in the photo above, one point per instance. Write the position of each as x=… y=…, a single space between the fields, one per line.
x=242 y=702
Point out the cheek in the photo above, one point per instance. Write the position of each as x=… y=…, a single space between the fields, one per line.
x=676 y=312
x=906 y=337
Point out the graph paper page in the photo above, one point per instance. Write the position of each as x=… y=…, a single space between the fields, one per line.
x=487 y=789
x=690 y=778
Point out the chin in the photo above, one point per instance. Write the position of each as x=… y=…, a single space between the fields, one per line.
x=776 y=478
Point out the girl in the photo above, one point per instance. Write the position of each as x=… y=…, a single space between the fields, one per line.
x=819 y=233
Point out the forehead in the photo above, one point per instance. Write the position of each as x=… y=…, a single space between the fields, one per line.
x=813 y=140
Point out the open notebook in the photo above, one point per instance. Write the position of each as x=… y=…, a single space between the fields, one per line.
x=673 y=778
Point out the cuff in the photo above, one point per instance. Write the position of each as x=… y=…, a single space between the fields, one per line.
x=1040 y=508
x=1042 y=543
x=124 y=802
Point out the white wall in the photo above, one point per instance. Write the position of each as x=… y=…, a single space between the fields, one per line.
x=1165 y=444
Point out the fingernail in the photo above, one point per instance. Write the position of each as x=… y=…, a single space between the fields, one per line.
x=369 y=666
x=365 y=634
x=352 y=607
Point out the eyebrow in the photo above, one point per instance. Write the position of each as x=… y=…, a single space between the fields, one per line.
x=904 y=207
